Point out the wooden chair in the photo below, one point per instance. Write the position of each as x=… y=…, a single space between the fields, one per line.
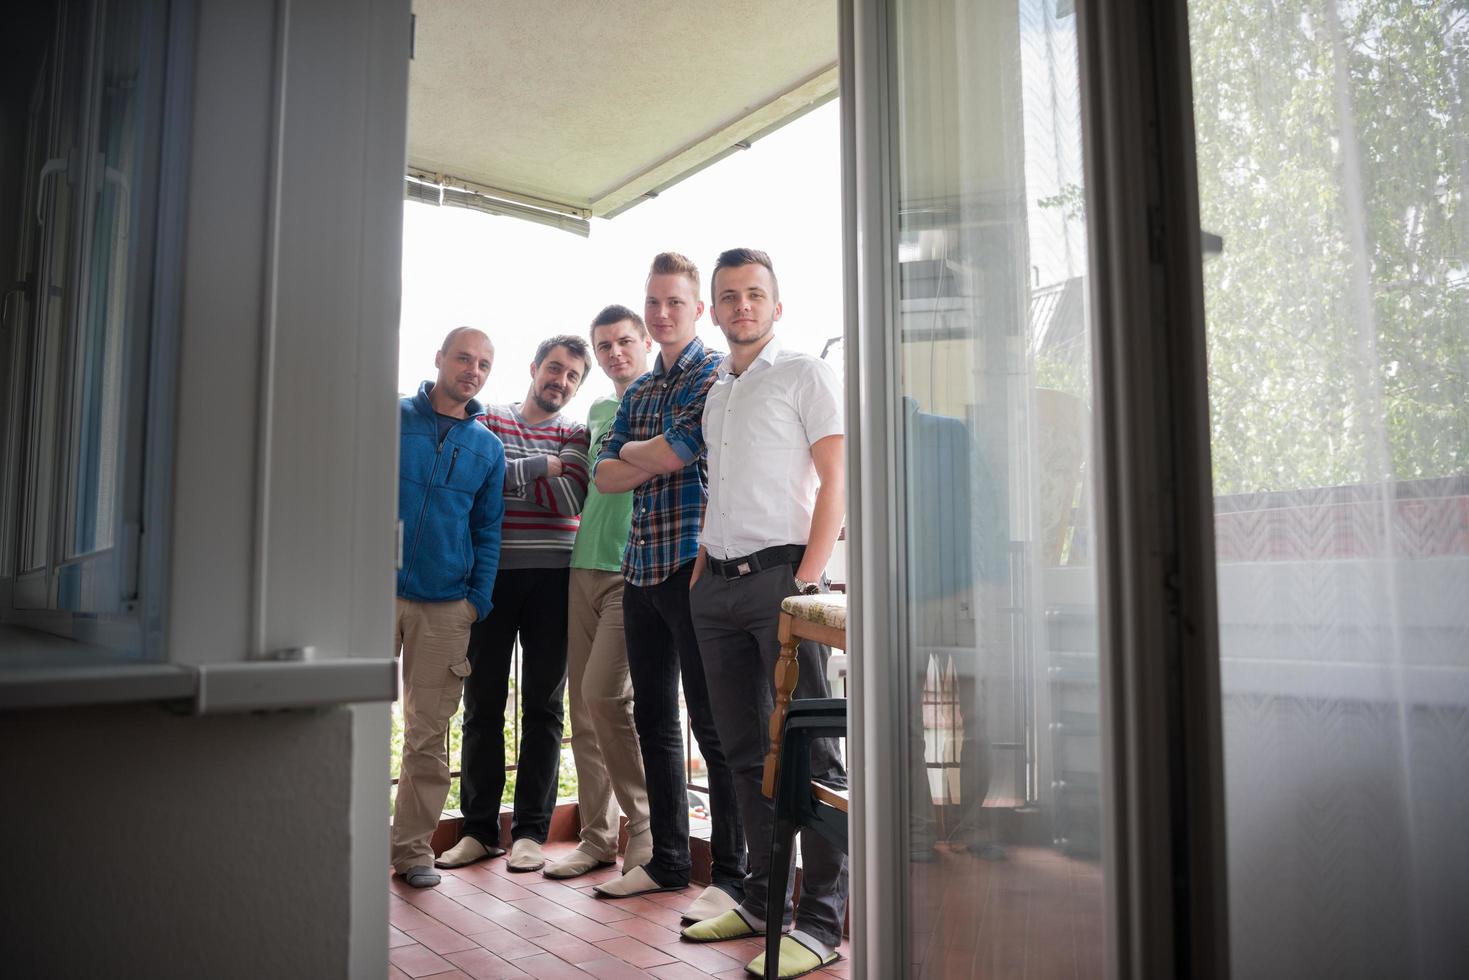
x=800 y=801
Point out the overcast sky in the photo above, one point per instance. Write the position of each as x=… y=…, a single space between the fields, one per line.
x=522 y=282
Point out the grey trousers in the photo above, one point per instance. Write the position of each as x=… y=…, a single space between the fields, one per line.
x=737 y=621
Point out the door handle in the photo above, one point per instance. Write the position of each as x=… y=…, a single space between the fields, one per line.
x=18 y=291
x=57 y=166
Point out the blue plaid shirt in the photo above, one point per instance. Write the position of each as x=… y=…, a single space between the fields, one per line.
x=666 y=510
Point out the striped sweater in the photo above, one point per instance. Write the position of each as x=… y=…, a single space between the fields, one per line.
x=540 y=512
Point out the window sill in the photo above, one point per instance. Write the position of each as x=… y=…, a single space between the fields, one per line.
x=38 y=670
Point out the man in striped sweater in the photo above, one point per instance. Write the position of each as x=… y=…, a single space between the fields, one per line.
x=545 y=487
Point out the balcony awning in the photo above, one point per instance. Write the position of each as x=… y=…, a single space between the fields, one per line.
x=571 y=109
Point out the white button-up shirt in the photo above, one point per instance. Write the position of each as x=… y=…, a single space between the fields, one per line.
x=759 y=427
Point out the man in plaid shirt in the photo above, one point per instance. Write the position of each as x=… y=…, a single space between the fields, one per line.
x=656 y=448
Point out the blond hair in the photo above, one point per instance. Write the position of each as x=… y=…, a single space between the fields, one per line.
x=674 y=264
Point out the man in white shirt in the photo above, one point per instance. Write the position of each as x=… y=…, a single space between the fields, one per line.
x=773 y=427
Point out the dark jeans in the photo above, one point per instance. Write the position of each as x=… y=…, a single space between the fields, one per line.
x=661 y=645
x=532 y=603
x=737 y=623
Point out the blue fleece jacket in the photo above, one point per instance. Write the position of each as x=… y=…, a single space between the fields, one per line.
x=451 y=503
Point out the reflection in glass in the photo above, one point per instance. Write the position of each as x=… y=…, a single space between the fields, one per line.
x=54 y=123
x=1333 y=153
x=132 y=35
x=1004 y=829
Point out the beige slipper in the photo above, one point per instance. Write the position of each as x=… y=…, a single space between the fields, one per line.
x=467 y=851
x=635 y=882
x=639 y=851
x=525 y=855
x=575 y=864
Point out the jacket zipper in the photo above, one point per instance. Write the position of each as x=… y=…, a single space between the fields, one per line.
x=423 y=507
x=452 y=460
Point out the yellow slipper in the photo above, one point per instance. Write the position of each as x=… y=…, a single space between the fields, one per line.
x=726 y=925
x=796 y=960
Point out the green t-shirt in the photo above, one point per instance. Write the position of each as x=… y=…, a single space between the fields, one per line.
x=605 y=518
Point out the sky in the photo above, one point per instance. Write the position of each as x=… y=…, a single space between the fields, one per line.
x=522 y=282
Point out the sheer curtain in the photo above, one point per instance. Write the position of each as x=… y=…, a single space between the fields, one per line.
x=1333 y=154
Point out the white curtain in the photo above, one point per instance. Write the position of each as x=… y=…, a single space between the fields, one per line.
x=1333 y=154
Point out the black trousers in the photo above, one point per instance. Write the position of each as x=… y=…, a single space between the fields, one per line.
x=738 y=624
x=530 y=603
x=661 y=648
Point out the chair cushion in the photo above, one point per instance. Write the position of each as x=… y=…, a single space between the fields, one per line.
x=826 y=609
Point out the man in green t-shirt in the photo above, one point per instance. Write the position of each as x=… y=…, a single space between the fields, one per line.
x=604 y=741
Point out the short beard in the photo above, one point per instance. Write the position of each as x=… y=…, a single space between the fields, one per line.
x=746 y=342
x=544 y=405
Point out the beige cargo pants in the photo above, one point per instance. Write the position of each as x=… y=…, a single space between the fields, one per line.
x=434 y=638
x=604 y=740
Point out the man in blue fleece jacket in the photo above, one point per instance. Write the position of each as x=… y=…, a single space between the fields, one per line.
x=451 y=477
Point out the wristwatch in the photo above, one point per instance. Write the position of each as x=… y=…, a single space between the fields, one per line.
x=807 y=588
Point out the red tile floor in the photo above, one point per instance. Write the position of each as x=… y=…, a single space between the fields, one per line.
x=485 y=922
x=1036 y=915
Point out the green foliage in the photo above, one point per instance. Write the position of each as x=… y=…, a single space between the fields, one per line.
x=1338 y=314
x=1070 y=200
x=1049 y=370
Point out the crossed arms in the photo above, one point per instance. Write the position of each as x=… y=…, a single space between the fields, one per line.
x=624 y=464
x=636 y=464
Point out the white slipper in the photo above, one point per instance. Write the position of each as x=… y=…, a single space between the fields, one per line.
x=712 y=901
x=467 y=851
x=525 y=855
x=575 y=864
x=635 y=882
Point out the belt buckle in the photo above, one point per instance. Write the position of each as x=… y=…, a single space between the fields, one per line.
x=731 y=569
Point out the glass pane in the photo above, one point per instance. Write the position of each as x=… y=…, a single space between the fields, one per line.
x=1006 y=789
x=56 y=133
x=132 y=37
x=1333 y=153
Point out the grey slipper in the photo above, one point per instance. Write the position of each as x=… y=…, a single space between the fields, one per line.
x=421 y=876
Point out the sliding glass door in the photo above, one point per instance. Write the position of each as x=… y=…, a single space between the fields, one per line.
x=1159 y=371
x=978 y=354
x=992 y=343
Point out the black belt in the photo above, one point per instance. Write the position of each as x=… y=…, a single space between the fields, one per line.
x=781 y=554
